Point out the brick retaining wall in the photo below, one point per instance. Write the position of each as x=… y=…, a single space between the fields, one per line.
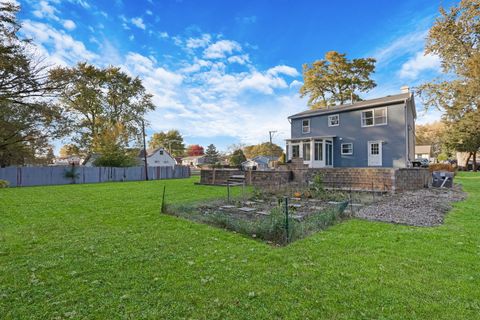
x=366 y=179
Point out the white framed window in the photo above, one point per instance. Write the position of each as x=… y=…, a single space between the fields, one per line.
x=374 y=117
x=161 y=152
x=347 y=148
x=380 y=116
x=306 y=126
x=306 y=151
x=318 y=156
x=333 y=120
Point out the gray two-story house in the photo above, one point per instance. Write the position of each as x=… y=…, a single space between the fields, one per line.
x=372 y=133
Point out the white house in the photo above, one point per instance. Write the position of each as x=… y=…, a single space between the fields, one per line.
x=158 y=157
x=423 y=152
x=258 y=163
x=193 y=161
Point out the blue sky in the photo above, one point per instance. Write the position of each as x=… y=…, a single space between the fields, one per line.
x=227 y=72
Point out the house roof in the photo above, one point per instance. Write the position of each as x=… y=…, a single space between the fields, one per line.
x=387 y=100
x=151 y=152
x=423 y=149
x=261 y=159
x=193 y=157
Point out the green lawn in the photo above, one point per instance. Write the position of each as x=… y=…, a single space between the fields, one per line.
x=103 y=251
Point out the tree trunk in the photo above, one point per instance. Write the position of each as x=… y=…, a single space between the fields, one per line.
x=475 y=161
x=468 y=159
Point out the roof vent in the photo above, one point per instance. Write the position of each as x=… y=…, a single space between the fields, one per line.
x=405 y=89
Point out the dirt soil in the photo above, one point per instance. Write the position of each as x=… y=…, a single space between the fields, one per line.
x=425 y=207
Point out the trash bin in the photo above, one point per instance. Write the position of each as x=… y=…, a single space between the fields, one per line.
x=442 y=179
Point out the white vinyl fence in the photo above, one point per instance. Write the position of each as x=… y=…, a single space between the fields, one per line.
x=43 y=176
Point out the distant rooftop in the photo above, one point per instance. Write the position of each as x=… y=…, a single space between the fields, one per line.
x=388 y=100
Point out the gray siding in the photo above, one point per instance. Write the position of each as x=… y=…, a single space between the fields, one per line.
x=351 y=130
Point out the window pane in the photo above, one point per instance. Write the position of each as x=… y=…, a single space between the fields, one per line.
x=347 y=148
x=306 y=151
x=318 y=151
x=295 y=151
x=305 y=126
x=374 y=149
x=333 y=120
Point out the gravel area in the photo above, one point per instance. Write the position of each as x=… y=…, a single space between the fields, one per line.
x=426 y=207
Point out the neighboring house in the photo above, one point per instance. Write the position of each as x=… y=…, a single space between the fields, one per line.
x=158 y=157
x=372 y=133
x=258 y=163
x=423 y=152
x=90 y=159
x=67 y=161
x=193 y=161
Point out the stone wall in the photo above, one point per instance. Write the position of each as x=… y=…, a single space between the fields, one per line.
x=412 y=179
x=268 y=178
x=366 y=179
x=217 y=176
x=358 y=179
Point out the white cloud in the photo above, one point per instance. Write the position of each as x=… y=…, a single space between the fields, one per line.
x=407 y=44
x=69 y=24
x=418 y=63
x=138 y=22
x=149 y=12
x=203 y=41
x=45 y=10
x=203 y=98
x=289 y=71
x=59 y=47
x=220 y=48
x=295 y=84
x=240 y=59
x=163 y=35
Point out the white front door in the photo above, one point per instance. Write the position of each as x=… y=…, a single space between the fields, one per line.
x=374 y=153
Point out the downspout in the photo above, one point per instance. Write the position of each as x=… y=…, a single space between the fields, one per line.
x=406 y=137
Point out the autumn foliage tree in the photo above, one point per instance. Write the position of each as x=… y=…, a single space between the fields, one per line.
x=172 y=140
x=195 y=150
x=263 y=149
x=28 y=118
x=455 y=38
x=98 y=97
x=336 y=80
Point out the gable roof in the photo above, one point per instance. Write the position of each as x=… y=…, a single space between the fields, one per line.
x=264 y=159
x=193 y=157
x=384 y=101
x=423 y=149
x=151 y=152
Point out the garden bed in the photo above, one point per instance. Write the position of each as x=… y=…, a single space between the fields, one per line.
x=424 y=208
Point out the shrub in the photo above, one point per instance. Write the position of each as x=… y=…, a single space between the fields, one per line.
x=71 y=174
x=442 y=167
x=4 y=184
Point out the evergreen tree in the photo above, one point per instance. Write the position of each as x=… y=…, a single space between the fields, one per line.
x=212 y=156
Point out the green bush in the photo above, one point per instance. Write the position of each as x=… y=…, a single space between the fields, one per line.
x=4 y=183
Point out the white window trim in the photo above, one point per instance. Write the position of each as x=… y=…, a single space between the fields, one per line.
x=373 y=118
x=341 y=149
x=334 y=115
x=303 y=127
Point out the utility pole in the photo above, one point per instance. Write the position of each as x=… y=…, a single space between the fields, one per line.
x=145 y=150
x=271 y=134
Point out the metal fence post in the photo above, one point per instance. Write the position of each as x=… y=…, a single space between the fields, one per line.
x=286 y=219
x=162 y=208
x=228 y=192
